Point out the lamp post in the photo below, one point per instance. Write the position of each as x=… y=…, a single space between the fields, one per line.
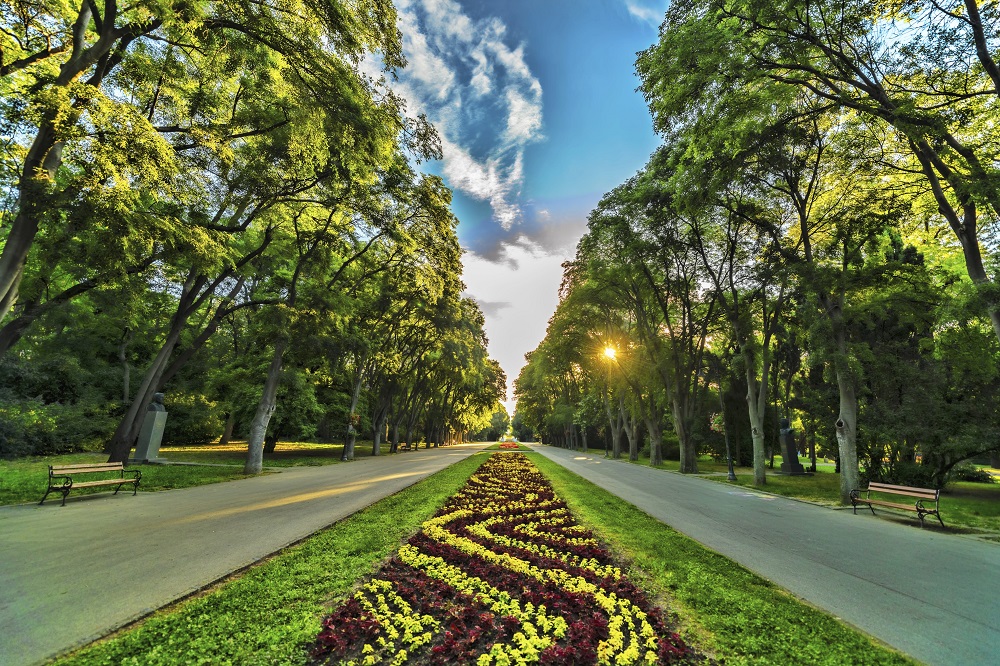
x=725 y=432
x=715 y=367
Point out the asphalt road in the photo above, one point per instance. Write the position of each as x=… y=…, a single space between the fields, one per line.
x=70 y=575
x=933 y=595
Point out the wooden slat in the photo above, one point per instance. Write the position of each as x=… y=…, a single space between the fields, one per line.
x=924 y=493
x=85 y=469
x=907 y=507
x=103 y=482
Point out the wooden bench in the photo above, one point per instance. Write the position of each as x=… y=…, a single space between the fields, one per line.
x=919 y=495
x=61 y=478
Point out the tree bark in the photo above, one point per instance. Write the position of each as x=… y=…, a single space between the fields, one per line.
x=756 y=397
x=227 y=431
x=655 y=438
x=123 y=360
x=265 y=409
x=688 y=456
x=352 y=432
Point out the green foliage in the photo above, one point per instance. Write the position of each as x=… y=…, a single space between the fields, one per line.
x=971 y=473
x=191 y=419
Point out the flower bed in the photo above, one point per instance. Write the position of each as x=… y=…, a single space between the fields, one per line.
x=509 y=445
x=501 y=575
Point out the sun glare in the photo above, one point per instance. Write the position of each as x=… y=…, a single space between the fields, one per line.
x=610 y=352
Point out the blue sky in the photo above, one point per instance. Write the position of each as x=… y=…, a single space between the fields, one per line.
x=536 y=106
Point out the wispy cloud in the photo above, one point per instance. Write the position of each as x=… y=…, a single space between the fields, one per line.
x=650 y=11
x=478 y=90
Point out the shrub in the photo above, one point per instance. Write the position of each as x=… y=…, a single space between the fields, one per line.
x=191 y=419
x=26 y=428
x=969 y=472
x=912 y=474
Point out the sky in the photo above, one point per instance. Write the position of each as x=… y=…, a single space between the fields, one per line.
x=536 y=105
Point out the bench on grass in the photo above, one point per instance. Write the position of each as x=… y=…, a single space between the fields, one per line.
x=918 y=495
x=63 y=478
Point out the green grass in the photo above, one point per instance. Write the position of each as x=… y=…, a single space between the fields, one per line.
x=286 y=454
x=25 y=480
x=972 y=505
x=271 y=614
x=729 y=611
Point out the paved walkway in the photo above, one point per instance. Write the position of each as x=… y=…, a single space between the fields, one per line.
x=932 y=595
x=58 y=564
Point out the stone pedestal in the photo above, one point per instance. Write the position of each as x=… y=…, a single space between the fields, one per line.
x=789 y=453
x=148 y=447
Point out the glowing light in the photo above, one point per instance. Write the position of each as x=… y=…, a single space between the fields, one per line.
x=610 y=352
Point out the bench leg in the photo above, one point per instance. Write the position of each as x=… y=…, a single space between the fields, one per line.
x=45 y=495
x=64 y=493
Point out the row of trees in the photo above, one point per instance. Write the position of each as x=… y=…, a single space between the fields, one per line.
x=817 y=234
x=216 y=201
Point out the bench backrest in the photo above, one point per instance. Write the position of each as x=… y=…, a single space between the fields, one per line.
x=85 y=467
x=922 y=493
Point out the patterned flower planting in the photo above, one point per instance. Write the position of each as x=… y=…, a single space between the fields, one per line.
x=501 y=575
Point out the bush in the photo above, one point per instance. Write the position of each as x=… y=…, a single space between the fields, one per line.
x=912 y=474
x=26 y=428
x=191 y=419
x=29 y=427
x=969 y=472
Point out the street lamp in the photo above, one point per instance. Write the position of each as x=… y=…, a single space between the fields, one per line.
x=715 y=367
x=725 y=432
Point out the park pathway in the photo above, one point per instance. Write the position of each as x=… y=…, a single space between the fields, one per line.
x=932 y=595
x=70 y=575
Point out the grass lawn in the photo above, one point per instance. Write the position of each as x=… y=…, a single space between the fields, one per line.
x=727 y=610
x=964 y=506
x=286 y=454
x=24 y=480
x=272 y=612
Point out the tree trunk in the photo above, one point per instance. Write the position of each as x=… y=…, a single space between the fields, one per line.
x=847 y=424
x=379 y=426
x=635 y=443
x=126 y=368
x=265 y=408
x=270 y=443
x=688 y=457
x=227 y=431
x=128 y=430
x=352 y=431
x=655 y=439
x=394 y=446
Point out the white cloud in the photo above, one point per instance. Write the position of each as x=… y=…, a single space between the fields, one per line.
x=524 y=120
x=481 y=95
x=650 y=11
